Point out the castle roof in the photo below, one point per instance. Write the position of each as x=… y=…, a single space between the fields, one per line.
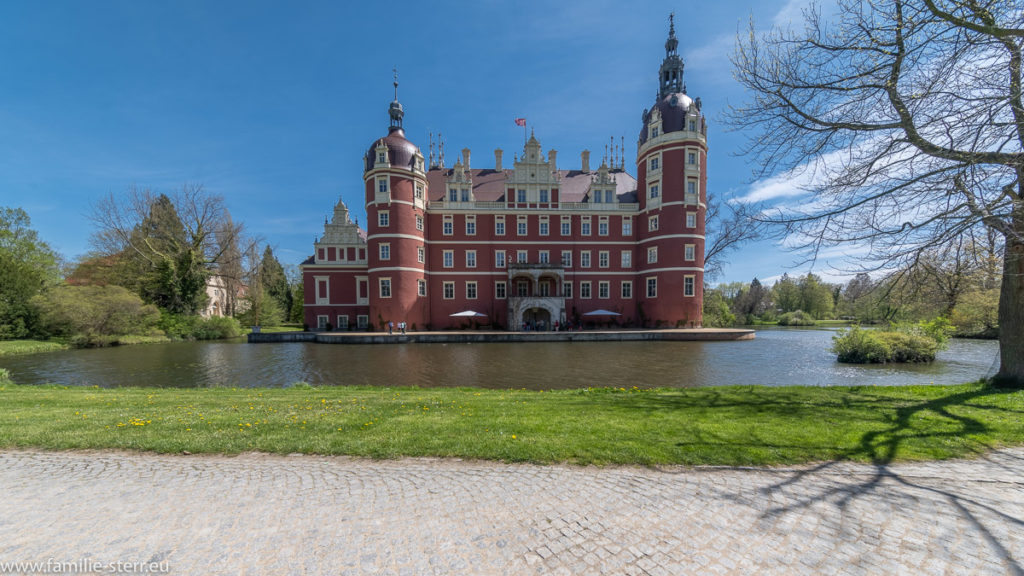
x=490 y=185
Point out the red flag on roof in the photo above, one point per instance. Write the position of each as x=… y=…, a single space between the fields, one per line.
x=521 y=122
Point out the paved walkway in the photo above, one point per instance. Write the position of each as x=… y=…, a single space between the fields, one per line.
x=258 y=514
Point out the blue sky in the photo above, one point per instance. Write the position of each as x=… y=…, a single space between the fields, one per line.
x=272 y=104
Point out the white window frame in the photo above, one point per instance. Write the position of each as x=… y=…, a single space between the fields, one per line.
x=584 y=258
x=652 y=286
x=585 y=290
x=384 y=251
x=447 y=225
x=652 y=255
x=420 y=254
x=626 y=258
x=421 y=287
x=567 y=258
x=470 y=258
x=604 y=287
x=690 y=252
x=448 y=290
x=567 y=290
x=544 y=226
x=566 y=225
x=626 y=289
x=381 y=284
x=384 y=219
x=691 y=219
x=448 y=258
x=652 y=223
x=472 y=290
x=499 y=225
x=627 y=225
x=499 y=258
x=500 y=290
x=471 y=225
x=585 y=226
x=419 y=223
x=522 y=225
x=689 y=286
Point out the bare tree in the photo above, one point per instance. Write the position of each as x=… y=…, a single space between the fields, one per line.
x=178 y=239
x=728 y=225
x=906 y=117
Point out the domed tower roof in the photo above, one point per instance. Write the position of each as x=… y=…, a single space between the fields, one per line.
x=401 y=152
x=672 y=102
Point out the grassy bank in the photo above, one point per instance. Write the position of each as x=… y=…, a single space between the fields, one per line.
x=728 y=425
x=15 y=347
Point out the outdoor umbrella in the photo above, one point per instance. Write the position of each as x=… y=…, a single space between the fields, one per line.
x=467 y=314
x=602 y=313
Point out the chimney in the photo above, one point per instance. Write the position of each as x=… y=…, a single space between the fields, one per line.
x=465 y=158
x=585 y=161
x=551 y=159
x=497 y=159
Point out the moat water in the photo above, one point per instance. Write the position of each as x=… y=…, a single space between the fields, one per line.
x=775 y=357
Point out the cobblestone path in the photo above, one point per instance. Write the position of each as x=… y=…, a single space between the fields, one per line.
x=259 y=514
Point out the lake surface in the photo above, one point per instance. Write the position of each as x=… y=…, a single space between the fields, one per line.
x=775 y=357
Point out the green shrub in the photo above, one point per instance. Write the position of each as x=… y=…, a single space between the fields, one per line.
x=184 y=327
x=859 y=346
x=94 y=315
x=904 y=347
x=796 y=318
x=5 y=376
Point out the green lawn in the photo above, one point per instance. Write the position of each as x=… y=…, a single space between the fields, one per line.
x=723 y=425
x=12 y=347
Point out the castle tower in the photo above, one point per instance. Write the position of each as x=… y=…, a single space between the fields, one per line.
x=396 y=195
x=672 y=193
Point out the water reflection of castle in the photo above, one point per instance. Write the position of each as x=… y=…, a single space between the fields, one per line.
x=531 y=243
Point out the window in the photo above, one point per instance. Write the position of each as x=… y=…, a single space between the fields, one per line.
x=691 y=158
x=689 y=252
x=521 y=225
x=342 y=322
x=382 y=185
x=543 y=225
x=419 y=191
x=499 y=258
x=382 y=157
x=585 y=226
x=521 y=256
x=602 y=226
x=609 y=196
x=596 y=196
x=522 y=288
x=687 y=285
x=321 y=322
x=566 y=225
x=499 y=225
x=449 y=290
x=602 y=259
x=654 y=131
x=585 y=259
x=691 y=219
x=520 y=195
x=567 y=258
x=385 y=251
x=545 y=256
x=585 y=289
x=627 y=258
x=652 y=255
x=470 y=225
x=691 y=187
x=448 y=227
x=500 y=290
x=471 y=290
x=693 y=126
x=627 y=226
x=567 y=289
x=448 y=257
x=603 y=289
x=627 y=289
x=465 y=195
x=655 y=164
x=453 y=195
x=362 y=321
x=470 y=258
x=543 y=195
x=419 y=223
x=652 y=287
x=383 y=219
x=385 y=287
x=652 y=224
x=545 y=289
x=653 y=192
x=419 y=254
x=323 y=290
x=421 y=287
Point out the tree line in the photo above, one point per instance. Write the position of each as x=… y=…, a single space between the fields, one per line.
x=958 y=282
x=155 y=259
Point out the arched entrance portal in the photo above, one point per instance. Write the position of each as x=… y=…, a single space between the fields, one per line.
x=537 y=319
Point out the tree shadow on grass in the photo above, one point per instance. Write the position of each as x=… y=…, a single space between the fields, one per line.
x=819 y=484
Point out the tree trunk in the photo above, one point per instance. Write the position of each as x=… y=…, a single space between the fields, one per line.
x=1011 y=309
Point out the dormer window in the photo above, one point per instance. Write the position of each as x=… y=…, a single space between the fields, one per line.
x=596 y=197
x=382 y=157
x=453 y=195
x=465 y=195
x=654 y=131
x=609 y=196
x=693 y=126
